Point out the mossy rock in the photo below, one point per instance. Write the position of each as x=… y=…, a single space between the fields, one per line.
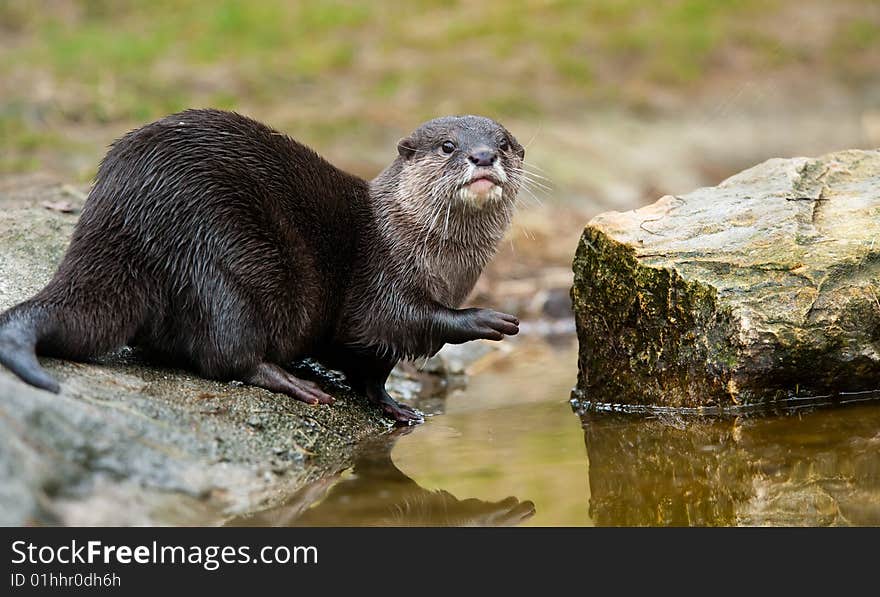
x=763 y=288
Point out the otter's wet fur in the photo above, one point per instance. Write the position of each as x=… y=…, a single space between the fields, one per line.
x=217 y=243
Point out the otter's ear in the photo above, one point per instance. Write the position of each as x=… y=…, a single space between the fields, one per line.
x=406 y=148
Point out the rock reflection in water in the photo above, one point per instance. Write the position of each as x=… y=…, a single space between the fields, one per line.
x=377 y=493
x=815 y=468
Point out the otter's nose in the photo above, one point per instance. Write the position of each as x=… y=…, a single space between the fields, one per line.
x=483 y=157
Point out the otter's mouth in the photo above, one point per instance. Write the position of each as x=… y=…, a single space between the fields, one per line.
x=482 y=188
x=482 y=184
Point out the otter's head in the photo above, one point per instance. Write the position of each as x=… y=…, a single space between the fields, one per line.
x=469 y=160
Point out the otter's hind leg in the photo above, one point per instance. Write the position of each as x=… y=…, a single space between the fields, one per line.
x=275 y=379
x=233 y=342
x=241 y=357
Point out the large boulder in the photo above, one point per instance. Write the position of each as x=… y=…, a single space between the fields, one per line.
x=762 y=288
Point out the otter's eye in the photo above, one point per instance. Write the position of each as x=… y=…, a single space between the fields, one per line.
x=448 y=147
x=504 y=145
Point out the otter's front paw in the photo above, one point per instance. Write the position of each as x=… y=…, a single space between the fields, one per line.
x=486 y=324
x=402 y=413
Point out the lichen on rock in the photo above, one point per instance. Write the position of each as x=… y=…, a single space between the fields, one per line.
x=762 y=288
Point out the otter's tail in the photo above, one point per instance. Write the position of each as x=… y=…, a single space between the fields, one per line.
x=21 y=328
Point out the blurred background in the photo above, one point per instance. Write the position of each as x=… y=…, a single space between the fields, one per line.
x=618 y=101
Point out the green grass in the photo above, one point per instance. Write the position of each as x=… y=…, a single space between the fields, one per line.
x=859 y=35
x=314 y=64
x=854 y=42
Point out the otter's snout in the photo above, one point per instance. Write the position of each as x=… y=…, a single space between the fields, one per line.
x=483 y=157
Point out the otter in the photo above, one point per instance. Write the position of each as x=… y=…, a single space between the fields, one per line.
x=213 y=242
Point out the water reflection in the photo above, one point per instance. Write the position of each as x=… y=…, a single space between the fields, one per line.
x=512 y=432
x=377 y=493
x=815 y=468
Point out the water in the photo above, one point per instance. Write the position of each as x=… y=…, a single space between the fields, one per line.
x=509 y=451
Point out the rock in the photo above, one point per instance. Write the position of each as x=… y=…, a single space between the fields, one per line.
x=130 y=444
x=765 y=287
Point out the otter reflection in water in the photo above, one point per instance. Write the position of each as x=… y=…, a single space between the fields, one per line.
x=814 y=468
x=377 y=493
